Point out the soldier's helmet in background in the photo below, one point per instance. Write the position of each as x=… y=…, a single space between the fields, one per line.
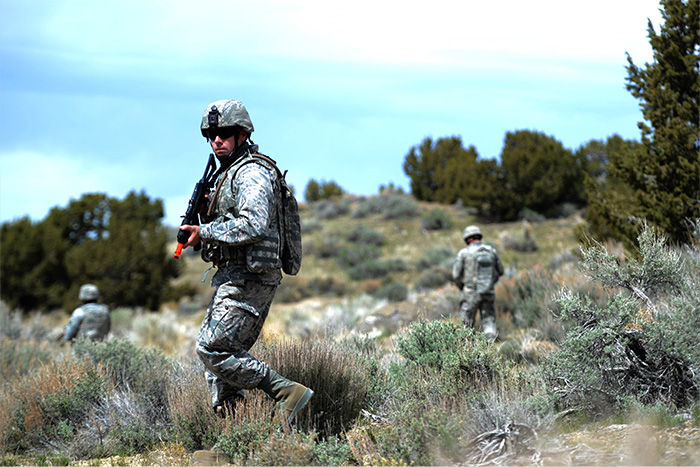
x=89 y=292
x=226 y=113
x=471 y=231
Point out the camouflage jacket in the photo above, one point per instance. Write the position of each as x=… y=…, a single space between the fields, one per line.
x=241 y=235
x=477 y=268
x=91 y=321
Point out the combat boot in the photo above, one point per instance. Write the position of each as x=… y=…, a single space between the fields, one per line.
x=290 y=396
x=490 y=331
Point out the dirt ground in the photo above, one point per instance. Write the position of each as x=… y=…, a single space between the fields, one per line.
x=613 y=445
x=633 y=445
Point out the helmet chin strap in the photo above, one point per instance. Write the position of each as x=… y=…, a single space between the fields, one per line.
x=231 y=157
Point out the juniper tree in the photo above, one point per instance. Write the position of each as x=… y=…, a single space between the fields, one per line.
x=660 y=182
x=119 y=245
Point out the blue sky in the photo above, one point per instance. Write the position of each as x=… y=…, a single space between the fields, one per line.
x=107 y=96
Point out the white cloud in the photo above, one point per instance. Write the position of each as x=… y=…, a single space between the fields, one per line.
x=368 y=74
x=364 y=31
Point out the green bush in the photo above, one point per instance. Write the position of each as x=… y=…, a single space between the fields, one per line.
x=451 y=349
x=327 y=209
x=364 y=235
x=144 y=371
x=316 y=191
x=326 y=247
x=284 y=448
x=521 y=243
x=529 y=215
x=354 y=255
x=388 y=206
x=372 y=268
x=50 y=405
x=394 y=292
x=369 y=269
x=332 y=451
x=20 y=357
x=294 y=289
x=133 y=427
x=636 y=347
x=310 y=225
x=441 y=256
x=433 y=278
x=436 y=219
x=250 y=425
x=529 y=299
x=423 y=431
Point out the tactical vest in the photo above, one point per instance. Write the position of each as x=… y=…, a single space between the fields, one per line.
x=257 y=257
x=96 y=322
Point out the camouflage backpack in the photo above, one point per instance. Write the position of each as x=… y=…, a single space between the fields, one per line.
x=289 y=222
x=484 y=275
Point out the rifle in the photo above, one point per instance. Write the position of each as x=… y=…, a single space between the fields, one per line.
x=195 y=205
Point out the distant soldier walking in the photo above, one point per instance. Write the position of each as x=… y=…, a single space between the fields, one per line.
x=90 y=320
x=476 y=270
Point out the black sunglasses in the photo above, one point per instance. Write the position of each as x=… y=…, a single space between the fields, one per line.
x=223 y=132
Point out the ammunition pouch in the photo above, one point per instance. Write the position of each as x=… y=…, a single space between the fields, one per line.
x=258 y=257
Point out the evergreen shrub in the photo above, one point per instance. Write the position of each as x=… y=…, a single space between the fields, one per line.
x=352 y=255
x=388 y=206
x=309 y=225
x=439 y=256
x=433 y=278
x=394 y=292
x=248 y=427
x=641 y=346
x=326 y=247
x=147 y=372
x=529 y=300
x=451 y=349
x=436 y=219
x=328 y=209
x=365 y=236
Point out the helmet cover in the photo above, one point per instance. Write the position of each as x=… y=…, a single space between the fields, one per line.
x=89 y=292
x=226 y=113
x=471 y=231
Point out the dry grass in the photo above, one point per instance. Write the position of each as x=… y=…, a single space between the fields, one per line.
x=195 y=424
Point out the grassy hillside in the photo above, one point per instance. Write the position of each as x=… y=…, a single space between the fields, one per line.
x=370 y=325
x=396 y=225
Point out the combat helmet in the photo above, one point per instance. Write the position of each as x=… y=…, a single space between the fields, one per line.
x=89 y=292
x=471 y=231
x=226 y=113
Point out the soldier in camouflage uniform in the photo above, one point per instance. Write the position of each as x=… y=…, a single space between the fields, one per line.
x=240 y=236
x=90 y=320
x=476 y=270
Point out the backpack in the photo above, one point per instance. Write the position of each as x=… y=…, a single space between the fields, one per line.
x=289 y=222
x=484 y=266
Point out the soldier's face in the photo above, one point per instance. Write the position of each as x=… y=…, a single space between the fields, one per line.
x=224 y=146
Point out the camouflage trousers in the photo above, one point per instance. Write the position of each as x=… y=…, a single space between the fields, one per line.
x=473 y=302
x=233 y=323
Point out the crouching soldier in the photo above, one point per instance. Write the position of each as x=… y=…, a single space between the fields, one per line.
x=90 y=320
